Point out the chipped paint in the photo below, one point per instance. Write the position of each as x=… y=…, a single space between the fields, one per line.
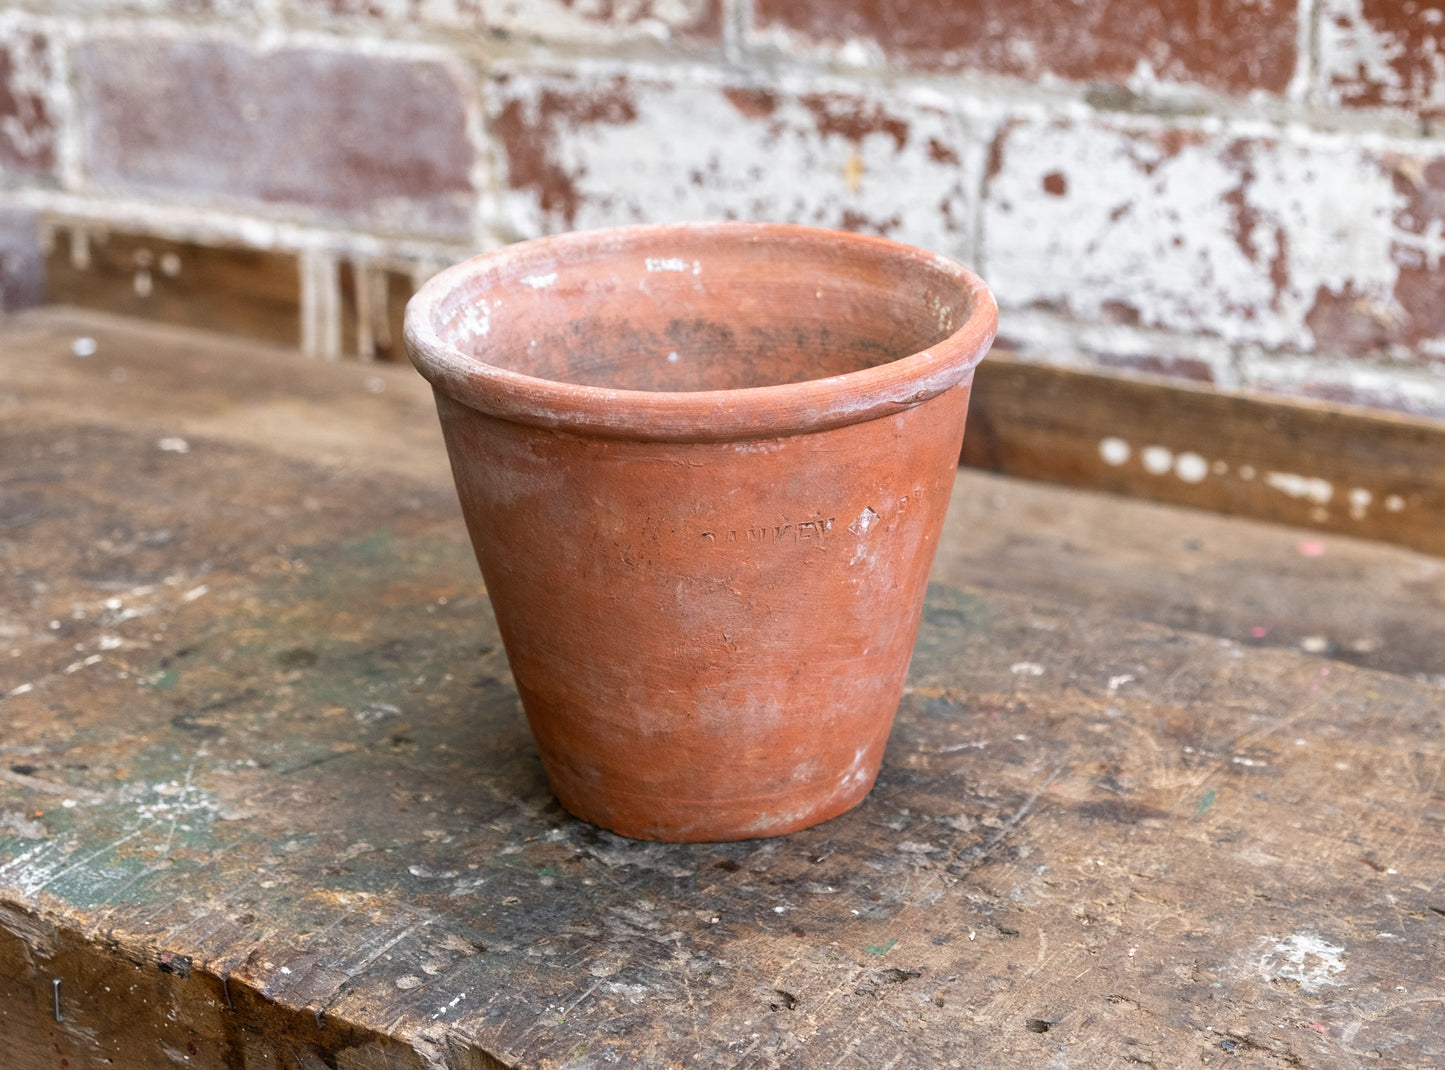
x=1157 y=460
x=1186 y=230
x=1114 y=451
x=1306 y=958
x=1191 y=467
x=1311 y=489
x=1375 y=53
x=902 y=164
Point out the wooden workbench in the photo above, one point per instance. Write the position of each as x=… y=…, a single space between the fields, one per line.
x=1165 y=788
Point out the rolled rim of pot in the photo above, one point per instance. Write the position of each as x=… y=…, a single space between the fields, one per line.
x=910 y=323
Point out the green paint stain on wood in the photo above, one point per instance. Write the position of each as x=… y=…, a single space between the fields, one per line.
x=881 y=949
x=1206 y=802
x=163 y=680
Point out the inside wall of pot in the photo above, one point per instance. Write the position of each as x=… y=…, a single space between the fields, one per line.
x=706 y=317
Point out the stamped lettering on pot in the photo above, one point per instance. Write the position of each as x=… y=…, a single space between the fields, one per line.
x=772 y=534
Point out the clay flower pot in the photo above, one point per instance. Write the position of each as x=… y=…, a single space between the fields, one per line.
x=704 y=468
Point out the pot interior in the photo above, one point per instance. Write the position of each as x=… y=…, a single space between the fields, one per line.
x=687 y=311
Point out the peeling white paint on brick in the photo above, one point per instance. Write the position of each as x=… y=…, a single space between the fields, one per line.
x=1360 y=60
x=690 y=146
x=590 y=21
x=1187 y=231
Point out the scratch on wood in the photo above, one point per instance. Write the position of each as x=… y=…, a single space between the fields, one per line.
x=35 y=783
x=971 y=858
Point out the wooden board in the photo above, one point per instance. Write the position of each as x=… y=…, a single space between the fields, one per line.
x=251 y=293
x=1330 y=468
x=267 y=798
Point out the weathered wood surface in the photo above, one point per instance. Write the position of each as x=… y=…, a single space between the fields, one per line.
x=252 y=293
x=1321 y=466
x=267 y=798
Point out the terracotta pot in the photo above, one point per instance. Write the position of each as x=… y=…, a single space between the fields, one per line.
x=704 y=468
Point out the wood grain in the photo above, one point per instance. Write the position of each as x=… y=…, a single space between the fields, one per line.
x=251 y=293
x=1321 y=467
x=309 y=827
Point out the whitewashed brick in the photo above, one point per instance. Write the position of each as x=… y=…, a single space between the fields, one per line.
x=1236 y=237
x=589 y=21
x=1382 y=53
x=608 y=148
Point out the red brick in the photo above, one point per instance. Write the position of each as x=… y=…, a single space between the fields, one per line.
x=22 y=261
x=1221 y=44
x=1419 y=253
x=600 y=149
x=356 y=138
x=693 y=21
x=27 y=121
x=1383 y=53
x=1411 y=323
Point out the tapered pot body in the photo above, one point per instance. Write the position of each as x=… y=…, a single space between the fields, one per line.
x=705 y=468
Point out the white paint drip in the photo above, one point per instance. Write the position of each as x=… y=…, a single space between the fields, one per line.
x=1305 y=958
x=1394 y=503
x=1191 y=467
x=1360 y=500
x=1319 y=491
x=1026 y=668
x=1157 y=460
x=1114 y=451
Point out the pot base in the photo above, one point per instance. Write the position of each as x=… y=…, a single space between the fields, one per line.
x=673 y=820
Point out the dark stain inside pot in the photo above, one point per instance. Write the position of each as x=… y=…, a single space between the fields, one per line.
x=706 y=318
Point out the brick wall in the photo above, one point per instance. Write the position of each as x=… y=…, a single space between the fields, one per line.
x=1250 y=195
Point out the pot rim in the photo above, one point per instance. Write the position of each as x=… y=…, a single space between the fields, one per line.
x=761 y=412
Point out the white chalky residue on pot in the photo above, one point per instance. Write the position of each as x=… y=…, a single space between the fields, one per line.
x=864 y=521
x=667 y=264
x=476 y=318
x=857 y=771
x=1360 y=500
x=540 y=282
